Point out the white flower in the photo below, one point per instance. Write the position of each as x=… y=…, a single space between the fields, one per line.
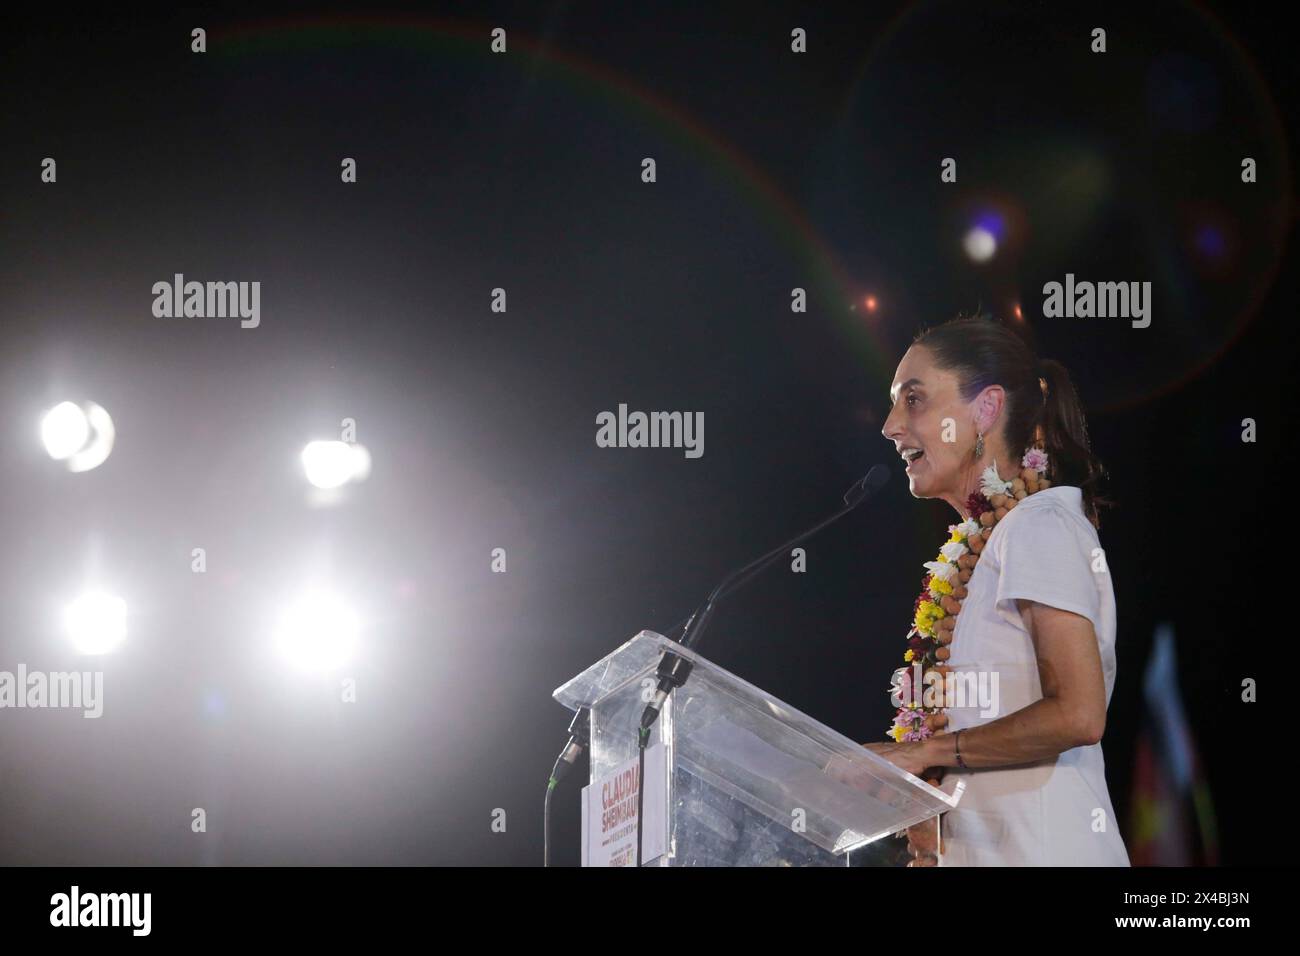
x=953 y=550
x=941 y=570
x=991 y=484
x=968 y=527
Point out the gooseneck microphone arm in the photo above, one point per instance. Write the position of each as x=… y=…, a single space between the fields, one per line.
x=579 y=741
x=674 y=669
x=862 y=489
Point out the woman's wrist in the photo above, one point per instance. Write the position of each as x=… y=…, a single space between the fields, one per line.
x=940 y=751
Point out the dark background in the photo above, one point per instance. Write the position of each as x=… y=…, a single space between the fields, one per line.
x=523 y=171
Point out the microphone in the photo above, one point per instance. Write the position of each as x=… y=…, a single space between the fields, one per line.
x=579 y=738
x=673 y=669
x=866 y=486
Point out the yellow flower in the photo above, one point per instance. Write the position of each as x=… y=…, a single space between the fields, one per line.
x=908 y=656
x=940 y=586
x=928 y=611
x=897 y=734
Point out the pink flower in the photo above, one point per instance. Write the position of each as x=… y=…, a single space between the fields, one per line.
x=1035 y=460
x=913 y=725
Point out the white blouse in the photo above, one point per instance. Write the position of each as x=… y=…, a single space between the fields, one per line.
x=1056 y=812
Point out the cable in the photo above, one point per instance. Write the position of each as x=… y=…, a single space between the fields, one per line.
x=554 y=781
x=643 y=735
x=546 y=823
x=677 y=627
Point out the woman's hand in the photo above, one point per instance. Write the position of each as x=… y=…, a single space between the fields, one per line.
x=921 y=843
x=912 y=756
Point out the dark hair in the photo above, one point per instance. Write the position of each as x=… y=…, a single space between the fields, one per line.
x=983 y=352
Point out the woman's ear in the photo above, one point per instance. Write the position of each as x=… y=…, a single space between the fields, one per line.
x=988 y=408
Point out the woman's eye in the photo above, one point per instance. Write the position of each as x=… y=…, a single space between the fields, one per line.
x=911 y=400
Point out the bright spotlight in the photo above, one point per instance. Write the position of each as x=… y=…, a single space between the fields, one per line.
x=64 y=430
x=318 y=633
x=80 y=436
x=980 y=244
x=95 y=622
x=331 y=464
x=360 y=463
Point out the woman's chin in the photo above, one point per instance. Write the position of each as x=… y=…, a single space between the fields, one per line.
x=920 y=485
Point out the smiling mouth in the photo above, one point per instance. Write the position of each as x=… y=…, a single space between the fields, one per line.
x=912 y=455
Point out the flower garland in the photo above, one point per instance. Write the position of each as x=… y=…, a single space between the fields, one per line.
x=944 y=588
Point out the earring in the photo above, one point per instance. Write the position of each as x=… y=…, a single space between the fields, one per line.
x=979 y=446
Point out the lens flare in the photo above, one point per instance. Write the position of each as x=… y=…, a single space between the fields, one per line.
x=980 y=244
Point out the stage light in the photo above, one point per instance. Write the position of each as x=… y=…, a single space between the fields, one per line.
x=980 y=244
x=95 y=622
x=80 y=436
x=64 y=430
x=870 y=303
x=318 y=633
x=360 y=463
x=331 y=464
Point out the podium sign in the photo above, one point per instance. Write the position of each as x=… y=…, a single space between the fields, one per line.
x=609 y=808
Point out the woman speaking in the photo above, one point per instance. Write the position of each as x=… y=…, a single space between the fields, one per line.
x=1019 y=600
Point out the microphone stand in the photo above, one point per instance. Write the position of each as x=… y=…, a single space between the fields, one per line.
x=673 y=669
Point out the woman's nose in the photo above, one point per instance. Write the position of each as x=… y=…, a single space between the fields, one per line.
x=890 y=428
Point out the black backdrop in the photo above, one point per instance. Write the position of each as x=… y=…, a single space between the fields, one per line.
x=522 y=171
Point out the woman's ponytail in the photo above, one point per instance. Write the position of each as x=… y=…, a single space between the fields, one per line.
x=1065 y=438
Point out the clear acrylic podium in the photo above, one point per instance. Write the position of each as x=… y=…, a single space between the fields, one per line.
x=748 y=780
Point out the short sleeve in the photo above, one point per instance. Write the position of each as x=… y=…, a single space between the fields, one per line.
x=1046 y=556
